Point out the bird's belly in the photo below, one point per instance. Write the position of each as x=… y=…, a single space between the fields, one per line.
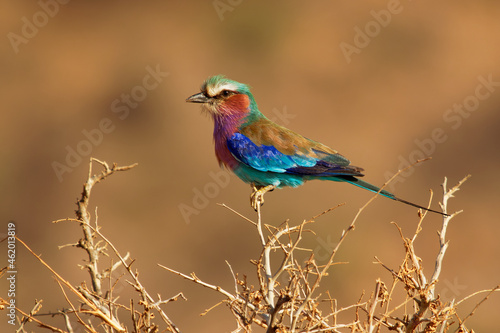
x=251 y=175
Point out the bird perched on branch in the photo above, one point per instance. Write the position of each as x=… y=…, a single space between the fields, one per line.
x=265 y=154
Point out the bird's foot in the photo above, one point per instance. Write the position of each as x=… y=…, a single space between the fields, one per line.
x=257 y=196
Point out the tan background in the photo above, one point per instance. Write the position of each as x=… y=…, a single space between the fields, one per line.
x=395 y=91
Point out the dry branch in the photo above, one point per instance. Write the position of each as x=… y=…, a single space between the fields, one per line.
x=290 y=305
x=287 y=295
x=98 y=302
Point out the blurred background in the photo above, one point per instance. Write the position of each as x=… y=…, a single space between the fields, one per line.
x=382 y=82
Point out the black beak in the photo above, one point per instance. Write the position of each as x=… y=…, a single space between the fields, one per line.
x=198 y=98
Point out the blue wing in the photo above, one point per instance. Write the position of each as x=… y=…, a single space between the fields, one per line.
x=268 y=158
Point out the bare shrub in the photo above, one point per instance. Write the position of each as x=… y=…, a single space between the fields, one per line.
x=286 y=298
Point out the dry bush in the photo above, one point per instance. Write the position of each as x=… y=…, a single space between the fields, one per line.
x=286 y=298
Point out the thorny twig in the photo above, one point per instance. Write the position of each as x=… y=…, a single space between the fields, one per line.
x=83 y=215
x=284 y=299
x=95 y=310
x=95 y=304
x=443 y=244
x=296 y=310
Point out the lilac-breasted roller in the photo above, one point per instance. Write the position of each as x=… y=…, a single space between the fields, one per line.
x=265 y=154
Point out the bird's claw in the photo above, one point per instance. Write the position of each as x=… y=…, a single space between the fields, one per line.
x=257 y=196
x=256 y=199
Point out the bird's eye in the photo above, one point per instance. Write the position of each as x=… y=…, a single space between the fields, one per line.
x=226 y=93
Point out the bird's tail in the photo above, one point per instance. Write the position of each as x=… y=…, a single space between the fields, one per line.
x=367 y=186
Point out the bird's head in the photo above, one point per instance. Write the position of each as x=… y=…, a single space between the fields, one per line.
x=222 y=97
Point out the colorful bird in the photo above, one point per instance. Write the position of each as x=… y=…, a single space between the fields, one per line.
x=265 y=154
